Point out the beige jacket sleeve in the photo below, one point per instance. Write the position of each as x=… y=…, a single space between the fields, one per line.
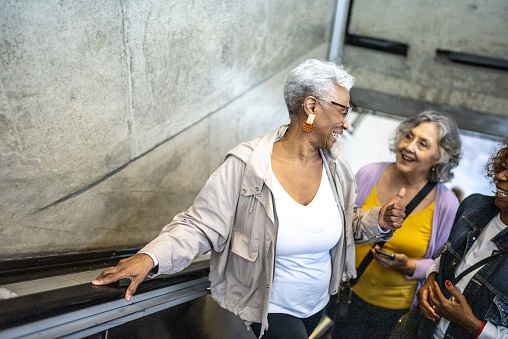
x=204 y=226
x=366 y=226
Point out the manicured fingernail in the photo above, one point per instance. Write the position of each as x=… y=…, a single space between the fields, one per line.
x=448 y=283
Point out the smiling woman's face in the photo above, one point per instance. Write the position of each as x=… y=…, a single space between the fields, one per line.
x=330 y=121
x=501 y=181
x=418 y=150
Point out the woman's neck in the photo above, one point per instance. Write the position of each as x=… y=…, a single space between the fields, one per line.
x=407 y=180
x=293 y=145
x=504 y=217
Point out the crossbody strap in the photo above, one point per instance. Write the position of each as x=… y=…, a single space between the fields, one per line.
x=475 y=266
x=409 y=208
x=419 y=197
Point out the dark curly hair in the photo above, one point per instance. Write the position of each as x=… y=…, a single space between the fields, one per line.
x=497 y=159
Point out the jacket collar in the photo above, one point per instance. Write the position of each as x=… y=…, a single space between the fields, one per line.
x=480 y=217
x=501 y=240
x=333 y=153
x=256 y=168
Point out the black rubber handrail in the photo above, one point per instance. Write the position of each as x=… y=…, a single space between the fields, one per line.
x=38 y=306
x=37 y=267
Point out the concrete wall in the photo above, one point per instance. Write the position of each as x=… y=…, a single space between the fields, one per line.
x=472 y=27
x=114 y=113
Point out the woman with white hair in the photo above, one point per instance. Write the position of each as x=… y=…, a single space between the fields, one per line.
x=278 y=216
x=427 y=148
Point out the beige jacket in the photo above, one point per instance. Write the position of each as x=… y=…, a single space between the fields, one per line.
x=235 y=217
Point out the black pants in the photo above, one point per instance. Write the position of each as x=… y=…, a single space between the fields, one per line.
x=282 y=326
x=367 y=321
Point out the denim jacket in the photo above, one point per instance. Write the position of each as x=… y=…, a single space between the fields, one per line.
x=487 y=292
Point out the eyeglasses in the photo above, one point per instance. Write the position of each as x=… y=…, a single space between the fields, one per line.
x=349 y=109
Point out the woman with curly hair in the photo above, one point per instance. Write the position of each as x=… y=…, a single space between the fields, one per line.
x=466 y=292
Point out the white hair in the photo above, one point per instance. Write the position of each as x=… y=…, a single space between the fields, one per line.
x=313 y=77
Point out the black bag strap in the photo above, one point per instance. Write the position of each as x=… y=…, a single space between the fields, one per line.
x=429 y=186
x=475 y=266
x=409 y=208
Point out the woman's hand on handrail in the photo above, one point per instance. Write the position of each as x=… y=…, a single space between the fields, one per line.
x=135 y=268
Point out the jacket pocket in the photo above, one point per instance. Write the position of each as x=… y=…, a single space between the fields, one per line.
x=243 y=264
x=498 y=312
x=244 y=246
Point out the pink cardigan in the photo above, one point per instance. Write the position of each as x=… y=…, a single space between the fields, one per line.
x=445 y=209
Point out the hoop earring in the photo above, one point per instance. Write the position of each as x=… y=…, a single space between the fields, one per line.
x=308 y=125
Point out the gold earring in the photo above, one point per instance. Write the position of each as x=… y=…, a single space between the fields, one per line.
x=308 y=125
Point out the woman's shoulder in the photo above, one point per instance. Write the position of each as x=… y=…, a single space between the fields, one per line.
x=261 y=145
x=372 y=169
x=243 y=151
x=446 y=196
x=374 y=166
x=478 y=200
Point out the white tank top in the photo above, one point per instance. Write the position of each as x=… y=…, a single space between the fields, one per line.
x=303 y=263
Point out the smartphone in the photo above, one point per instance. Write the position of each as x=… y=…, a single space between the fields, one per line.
x=386 y=254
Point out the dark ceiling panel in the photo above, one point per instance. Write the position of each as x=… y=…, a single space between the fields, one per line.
x=469 y=120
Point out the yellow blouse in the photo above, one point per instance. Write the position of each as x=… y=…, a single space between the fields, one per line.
x=384 y=287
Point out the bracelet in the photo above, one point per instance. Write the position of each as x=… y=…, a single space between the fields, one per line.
x=481 y=329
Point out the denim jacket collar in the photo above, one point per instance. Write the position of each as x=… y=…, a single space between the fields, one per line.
x=501 y=240
x=479 y=218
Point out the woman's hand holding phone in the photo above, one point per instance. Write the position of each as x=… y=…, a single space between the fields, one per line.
x=385 y=254
x=398 y=262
